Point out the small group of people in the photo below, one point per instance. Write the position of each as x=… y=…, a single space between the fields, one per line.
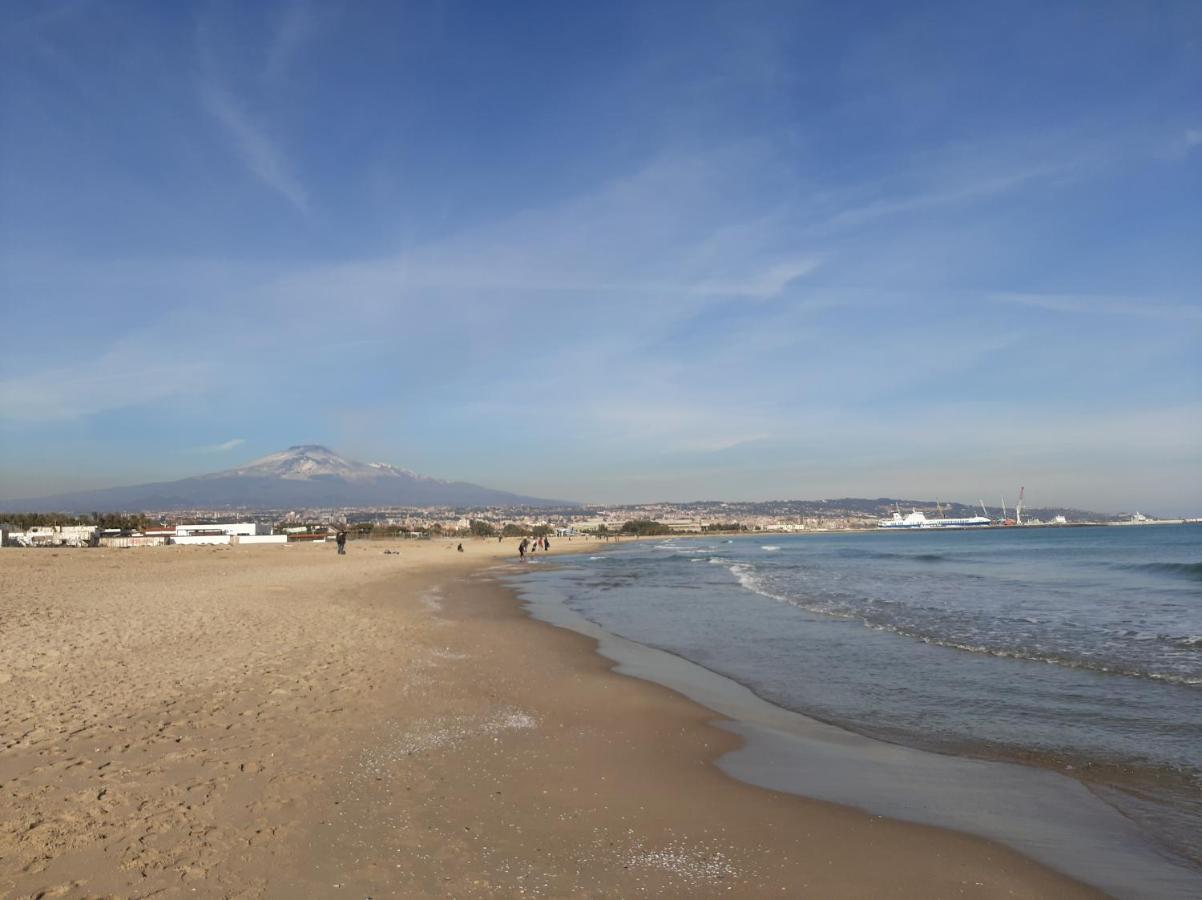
x=531 y=546
x=528 y=545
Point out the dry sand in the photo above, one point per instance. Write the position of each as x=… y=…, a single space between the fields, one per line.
x=283 y=722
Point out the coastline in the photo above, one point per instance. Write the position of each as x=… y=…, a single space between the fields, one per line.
x=255 y=722
x=1043 y=814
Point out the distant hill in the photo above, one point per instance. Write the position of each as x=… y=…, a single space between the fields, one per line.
x=882 y=507
x=307 y=475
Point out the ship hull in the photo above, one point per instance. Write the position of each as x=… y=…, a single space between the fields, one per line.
x=918 y=521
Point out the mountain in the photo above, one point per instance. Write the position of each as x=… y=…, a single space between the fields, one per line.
x=304 y=476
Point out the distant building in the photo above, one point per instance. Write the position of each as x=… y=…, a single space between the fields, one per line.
x=54 y=536
x=218 y=528
x=132 y=540
x=687 y=526
x=219 y=532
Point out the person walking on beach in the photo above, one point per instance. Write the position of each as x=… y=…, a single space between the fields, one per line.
x=522 y=549
x=340 y=540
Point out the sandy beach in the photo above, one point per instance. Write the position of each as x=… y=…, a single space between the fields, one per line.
x=283 y=722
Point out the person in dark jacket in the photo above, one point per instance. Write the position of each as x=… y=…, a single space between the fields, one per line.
x=340 y=540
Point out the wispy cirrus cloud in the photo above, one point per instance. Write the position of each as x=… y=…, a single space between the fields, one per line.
x=1103 y=305
x=249 y=135
x=958 y=176
x=675 y=229
x=767 y=282
x=111 y=381
x=249 y=140
x=223 y=447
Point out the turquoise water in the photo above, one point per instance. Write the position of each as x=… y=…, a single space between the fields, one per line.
x=1078 y=649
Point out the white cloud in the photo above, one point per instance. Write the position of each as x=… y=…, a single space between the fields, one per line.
x=763 y=284
x=112 y=381
x=248 y=135
x=676 y=227
x=223 y=447
x=254 y=148
x=961 y=191
x=1101 y=304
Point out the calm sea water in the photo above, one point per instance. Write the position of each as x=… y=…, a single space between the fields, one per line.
x=1078 y=649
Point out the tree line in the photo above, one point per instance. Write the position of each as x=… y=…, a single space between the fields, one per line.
x=476 y=528
x=122 y=521
x=651 y=528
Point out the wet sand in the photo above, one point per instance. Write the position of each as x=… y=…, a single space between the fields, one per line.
x=282 y=722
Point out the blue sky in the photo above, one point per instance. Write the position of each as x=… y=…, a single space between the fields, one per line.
x=609 y=251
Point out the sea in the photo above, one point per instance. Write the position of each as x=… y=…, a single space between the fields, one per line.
x=1072 y=650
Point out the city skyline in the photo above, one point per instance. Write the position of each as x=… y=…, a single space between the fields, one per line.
x=621 y=254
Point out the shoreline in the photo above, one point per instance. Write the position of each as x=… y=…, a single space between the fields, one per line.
x=1047 y=816
x=261 y=722
x=1122 y=790
x=835 y=828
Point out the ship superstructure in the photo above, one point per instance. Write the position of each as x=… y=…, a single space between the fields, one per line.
x=917 y=519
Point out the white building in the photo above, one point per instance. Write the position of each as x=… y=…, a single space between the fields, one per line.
x=202 y=539
x=132 y=540
x=54 y=536
x=218 y=532
x=686 y=526
x=259 y=539
x=226 y=528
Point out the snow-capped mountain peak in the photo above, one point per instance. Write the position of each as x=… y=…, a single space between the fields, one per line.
x=302 y=462
x=305 y=462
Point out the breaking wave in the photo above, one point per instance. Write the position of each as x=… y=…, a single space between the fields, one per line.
x=879 y=615
x=1069 y=662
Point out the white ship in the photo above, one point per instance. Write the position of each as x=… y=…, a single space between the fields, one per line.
x=918 y=520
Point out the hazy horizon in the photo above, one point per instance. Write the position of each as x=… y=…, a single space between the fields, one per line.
x=625 y=253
